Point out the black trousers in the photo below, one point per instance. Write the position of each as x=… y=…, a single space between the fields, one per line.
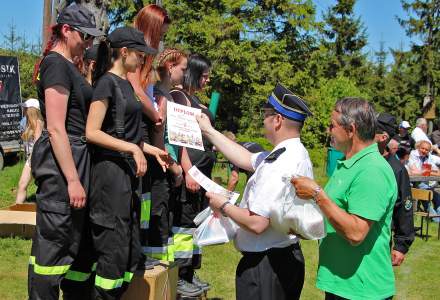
x=155 y=239
x=277 y=273
x=61 y=255
x=114 y=214
x=186 y=207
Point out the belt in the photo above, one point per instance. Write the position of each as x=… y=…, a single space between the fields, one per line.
x=272 y=250
x=72 y=137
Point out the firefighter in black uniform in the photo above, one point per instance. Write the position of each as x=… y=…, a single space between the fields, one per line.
x=114 y=126
x=61 y=164
x=403 y=223
x=191 y=198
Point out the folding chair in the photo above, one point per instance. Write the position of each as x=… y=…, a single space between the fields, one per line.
x=424 y=196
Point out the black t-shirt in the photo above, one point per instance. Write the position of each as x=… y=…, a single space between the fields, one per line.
x=57 y=70
x=105 y=89
x=405 y=141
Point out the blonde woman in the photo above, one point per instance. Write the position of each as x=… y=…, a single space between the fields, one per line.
x=34 y=126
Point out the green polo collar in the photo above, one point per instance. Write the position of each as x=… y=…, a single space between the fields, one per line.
x=348 y=163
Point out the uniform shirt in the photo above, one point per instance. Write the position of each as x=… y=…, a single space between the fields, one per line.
x=403 y=223
x=263 y=189
x=55 y=70
x=363 y=185
x=133 y=111
x=419 y=135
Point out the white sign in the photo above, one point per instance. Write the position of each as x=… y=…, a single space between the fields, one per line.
x=183 y=129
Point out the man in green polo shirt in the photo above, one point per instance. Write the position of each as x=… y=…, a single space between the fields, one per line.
x=358 y=202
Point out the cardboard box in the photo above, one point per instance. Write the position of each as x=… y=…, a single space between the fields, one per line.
x=159 y=283
x=18 y=220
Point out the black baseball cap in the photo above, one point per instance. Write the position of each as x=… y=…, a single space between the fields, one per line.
x=80 y=17
x=387 y=123
x=91 y=53
x=131 y=38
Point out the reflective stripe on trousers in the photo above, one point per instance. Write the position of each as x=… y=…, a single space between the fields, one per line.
x=59 y=270
x=183 y=242
x=109 y=284
x=145 y=211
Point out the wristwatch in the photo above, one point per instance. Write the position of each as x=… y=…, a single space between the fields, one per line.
x=222 y=208
x=316 y=192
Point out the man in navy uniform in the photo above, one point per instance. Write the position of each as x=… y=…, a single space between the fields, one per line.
x=403 y=223
x=272 y=266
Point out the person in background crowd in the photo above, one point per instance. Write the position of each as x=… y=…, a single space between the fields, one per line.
x=418 y=159
x=90 y=58
x=403 y=155
x=435 y=135
x=191 y=199
x=392 y=146
x=153 y=21
x=420 y=132
x=358 y=203
x=403 y=137
x=61 y=164
x=272 y=266
x=403 y=223
x=114 y=126
x=235 y=171
x=31 y=133
x=171 y=64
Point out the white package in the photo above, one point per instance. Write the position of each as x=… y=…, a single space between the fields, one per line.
x=215 y=230
x=290 y=214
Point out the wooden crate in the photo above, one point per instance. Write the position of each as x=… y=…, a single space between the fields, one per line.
x=159 y=283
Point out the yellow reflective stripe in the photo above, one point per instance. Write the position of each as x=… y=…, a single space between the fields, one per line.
x=32 y=260
x=145 y=210
x=77 y=276
x=50 y=270
x=170 y=252
x=183 y=242
x=108 y=284
x=94 y=267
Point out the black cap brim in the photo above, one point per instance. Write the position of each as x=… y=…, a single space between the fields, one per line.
x=91 y=31
x=145 y=49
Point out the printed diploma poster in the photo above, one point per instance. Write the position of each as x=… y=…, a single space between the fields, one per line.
x=183 y=129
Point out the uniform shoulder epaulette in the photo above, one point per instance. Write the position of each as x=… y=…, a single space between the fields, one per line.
x=274 y=155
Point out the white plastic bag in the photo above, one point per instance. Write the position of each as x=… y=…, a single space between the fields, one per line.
x=290 y=214
x=215 y=230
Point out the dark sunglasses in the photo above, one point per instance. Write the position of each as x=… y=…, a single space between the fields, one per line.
x=84 y=35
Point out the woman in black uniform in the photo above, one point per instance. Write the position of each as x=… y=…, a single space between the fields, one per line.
x=192 y=198
x=61 y=164
x=114 y=126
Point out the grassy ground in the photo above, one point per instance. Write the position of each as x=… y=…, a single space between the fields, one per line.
x=417 y=278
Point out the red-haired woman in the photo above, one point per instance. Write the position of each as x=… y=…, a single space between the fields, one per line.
x=61 y=165
x=153 y=22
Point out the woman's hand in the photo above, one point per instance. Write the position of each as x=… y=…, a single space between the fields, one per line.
x=77 y=194
x=191 y=184
x=163 y=158
x=141 y=162
x=305 y=187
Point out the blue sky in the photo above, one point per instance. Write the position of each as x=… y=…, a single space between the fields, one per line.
x=379 y=16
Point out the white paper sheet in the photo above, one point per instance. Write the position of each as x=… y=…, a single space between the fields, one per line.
x=183 y=129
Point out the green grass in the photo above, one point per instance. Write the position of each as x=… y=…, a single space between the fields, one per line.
x=416 y=279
